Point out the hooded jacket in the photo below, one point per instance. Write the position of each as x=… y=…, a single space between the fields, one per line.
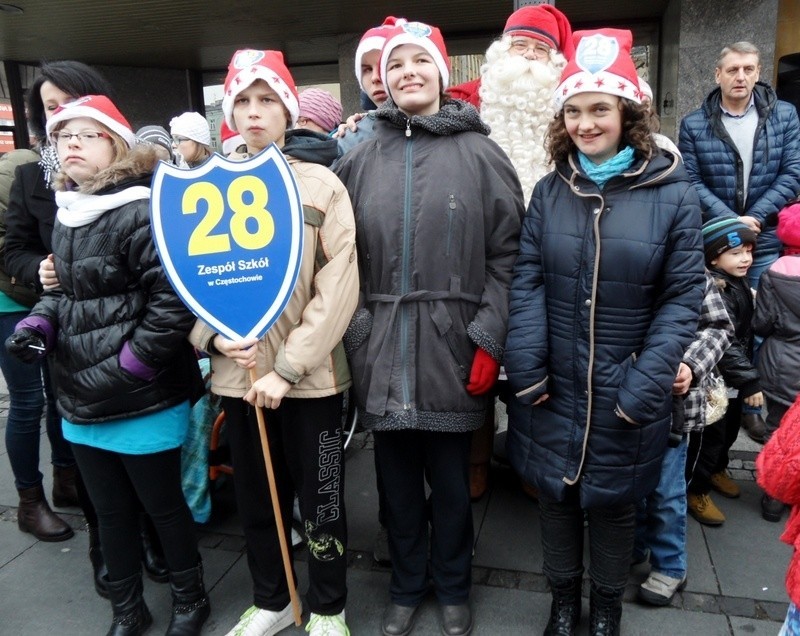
x=605 y=300
x=715 y=167
x=304 y=345
x=438 y=208
x=115 y=301
x=777 y=320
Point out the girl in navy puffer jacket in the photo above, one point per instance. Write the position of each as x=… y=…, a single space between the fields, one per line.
x=605 y=298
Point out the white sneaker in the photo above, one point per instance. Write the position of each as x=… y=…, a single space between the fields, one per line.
x=261 y=622
x=659 y=589
x=322 y=625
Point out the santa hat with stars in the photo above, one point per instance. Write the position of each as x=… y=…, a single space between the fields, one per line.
x=249 y=65
x=602 y=64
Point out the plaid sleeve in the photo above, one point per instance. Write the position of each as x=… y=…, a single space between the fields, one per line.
x=714 y=334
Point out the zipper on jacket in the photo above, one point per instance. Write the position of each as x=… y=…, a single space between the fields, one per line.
x=451 y=212
x=405 y=276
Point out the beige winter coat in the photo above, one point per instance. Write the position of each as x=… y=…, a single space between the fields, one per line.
x=304 y=345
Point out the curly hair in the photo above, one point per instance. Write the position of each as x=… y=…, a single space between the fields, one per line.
x=636 y=132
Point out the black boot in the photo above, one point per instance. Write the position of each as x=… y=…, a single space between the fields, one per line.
x=190 y=604
x=565 y=610
x=152 y=555
x=605 y=611
x=131 y=616
x=771 y=508
x=99 y=570
x=64 y=493
x=35 y=516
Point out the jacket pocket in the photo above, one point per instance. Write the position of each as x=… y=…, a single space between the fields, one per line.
x=455 y=337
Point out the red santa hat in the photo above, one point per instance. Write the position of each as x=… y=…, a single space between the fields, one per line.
x=372 y=40
x=249 y=65
x=97 y=107
x=602 y=64
x=424 y=35
x=231 y=140
x=545 y=23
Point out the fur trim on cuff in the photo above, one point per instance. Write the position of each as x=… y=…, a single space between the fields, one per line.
x=357 y=331
x=480 y=337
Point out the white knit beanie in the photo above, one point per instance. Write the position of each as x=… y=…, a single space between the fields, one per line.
x=191 y=125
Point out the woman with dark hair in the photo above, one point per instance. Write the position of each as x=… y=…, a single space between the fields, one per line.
x=24 y=261
x=605 y=299
x=125 y=372
x=19 y=290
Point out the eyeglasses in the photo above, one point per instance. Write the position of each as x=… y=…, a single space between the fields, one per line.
x=87 y=137
x=178 y=139
x=540 y=51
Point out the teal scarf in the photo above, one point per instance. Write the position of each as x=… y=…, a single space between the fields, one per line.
x=618 y=164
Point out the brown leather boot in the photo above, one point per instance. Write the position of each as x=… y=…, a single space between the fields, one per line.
x=34 y=516
x=64 y=493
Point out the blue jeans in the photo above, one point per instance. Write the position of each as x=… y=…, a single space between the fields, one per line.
x=24 y=383
x=661 y=517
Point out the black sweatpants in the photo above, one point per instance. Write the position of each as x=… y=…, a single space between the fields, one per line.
x=305 y=440
x=708 y=449
x=116 y=484
x=404 y=458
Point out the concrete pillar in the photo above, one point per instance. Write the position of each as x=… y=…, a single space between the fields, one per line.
x=706 y=26
x=349 y=90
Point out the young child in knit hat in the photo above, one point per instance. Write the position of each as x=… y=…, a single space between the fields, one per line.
x=300 y=366
x=777 y=320
x=319 y=111
x=160 y=138
x=728 y=244
x=191 y=139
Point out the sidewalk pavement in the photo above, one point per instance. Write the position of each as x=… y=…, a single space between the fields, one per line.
x=735 y=584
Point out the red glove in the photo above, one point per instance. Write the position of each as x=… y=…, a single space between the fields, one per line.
x=483 y=374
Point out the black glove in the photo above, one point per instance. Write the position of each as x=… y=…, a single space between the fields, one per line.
x=26 y=345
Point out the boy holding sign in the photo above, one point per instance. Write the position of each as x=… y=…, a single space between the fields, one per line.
x=300 y=365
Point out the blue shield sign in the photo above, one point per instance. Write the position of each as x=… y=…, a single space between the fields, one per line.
x=230 y=237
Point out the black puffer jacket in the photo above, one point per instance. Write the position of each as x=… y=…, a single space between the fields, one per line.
x=113 y=289
x=736 y=365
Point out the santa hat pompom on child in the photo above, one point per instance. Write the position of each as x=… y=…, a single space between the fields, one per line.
x=602 y=64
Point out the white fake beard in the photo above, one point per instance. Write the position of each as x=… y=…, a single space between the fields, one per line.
x=517 y=104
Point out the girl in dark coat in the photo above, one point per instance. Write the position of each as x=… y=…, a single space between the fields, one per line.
x=438 y=208
x=125 y=371
x=605 y=298
x=26 y=224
